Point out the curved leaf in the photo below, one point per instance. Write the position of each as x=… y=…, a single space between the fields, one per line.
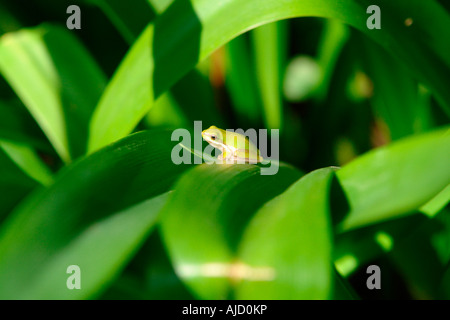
x=28 y=160
x=54 y=224
x=202 y=232
x=197 y=27
x=397 y=179
x=57 y=80
x=295 y=231
x=100 y=251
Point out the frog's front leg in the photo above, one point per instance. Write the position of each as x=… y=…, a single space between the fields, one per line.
x=227 y=154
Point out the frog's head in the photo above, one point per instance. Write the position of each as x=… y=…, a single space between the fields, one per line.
x=213 y=136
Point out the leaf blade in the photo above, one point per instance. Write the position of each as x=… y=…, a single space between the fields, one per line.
x=295 y=230
x=196 y=35
x=407 y=184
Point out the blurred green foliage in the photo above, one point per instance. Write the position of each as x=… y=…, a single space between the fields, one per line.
x=86 y=175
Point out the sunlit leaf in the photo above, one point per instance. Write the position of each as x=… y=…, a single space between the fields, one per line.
x=396 y=180
x=295 y=231
x=197 y=28
x=203 y=246
x=57 y=80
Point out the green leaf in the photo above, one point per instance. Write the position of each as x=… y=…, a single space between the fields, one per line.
x=295 y=231
x=269 y=48
x=196 y=28
x=171 y=109
x=397 y=179
x=28 y=160
x=202 y=232
x=57 y=80
x=100 y=251
x=149 y=275
x=166 y=113
x=241 y=82
x=440 y=201
x=56 y=223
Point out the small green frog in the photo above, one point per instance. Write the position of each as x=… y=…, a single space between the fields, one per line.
x=234 y=146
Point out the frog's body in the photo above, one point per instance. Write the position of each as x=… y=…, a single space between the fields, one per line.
x=234 y=146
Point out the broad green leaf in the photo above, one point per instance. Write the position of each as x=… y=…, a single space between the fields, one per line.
x=57 y=80
x=397 y=179
x=269 y=50
x=171 y=109
x=58 y=222
x=149 y=275
x=28 y=160
x=199 y=154
x=196 y=28
x=286 y=249
x=100 y=251
x=202 y=232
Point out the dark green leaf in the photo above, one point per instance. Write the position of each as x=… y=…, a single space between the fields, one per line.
x=52 y=220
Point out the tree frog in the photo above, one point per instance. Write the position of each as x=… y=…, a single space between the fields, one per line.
x=234 y=146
